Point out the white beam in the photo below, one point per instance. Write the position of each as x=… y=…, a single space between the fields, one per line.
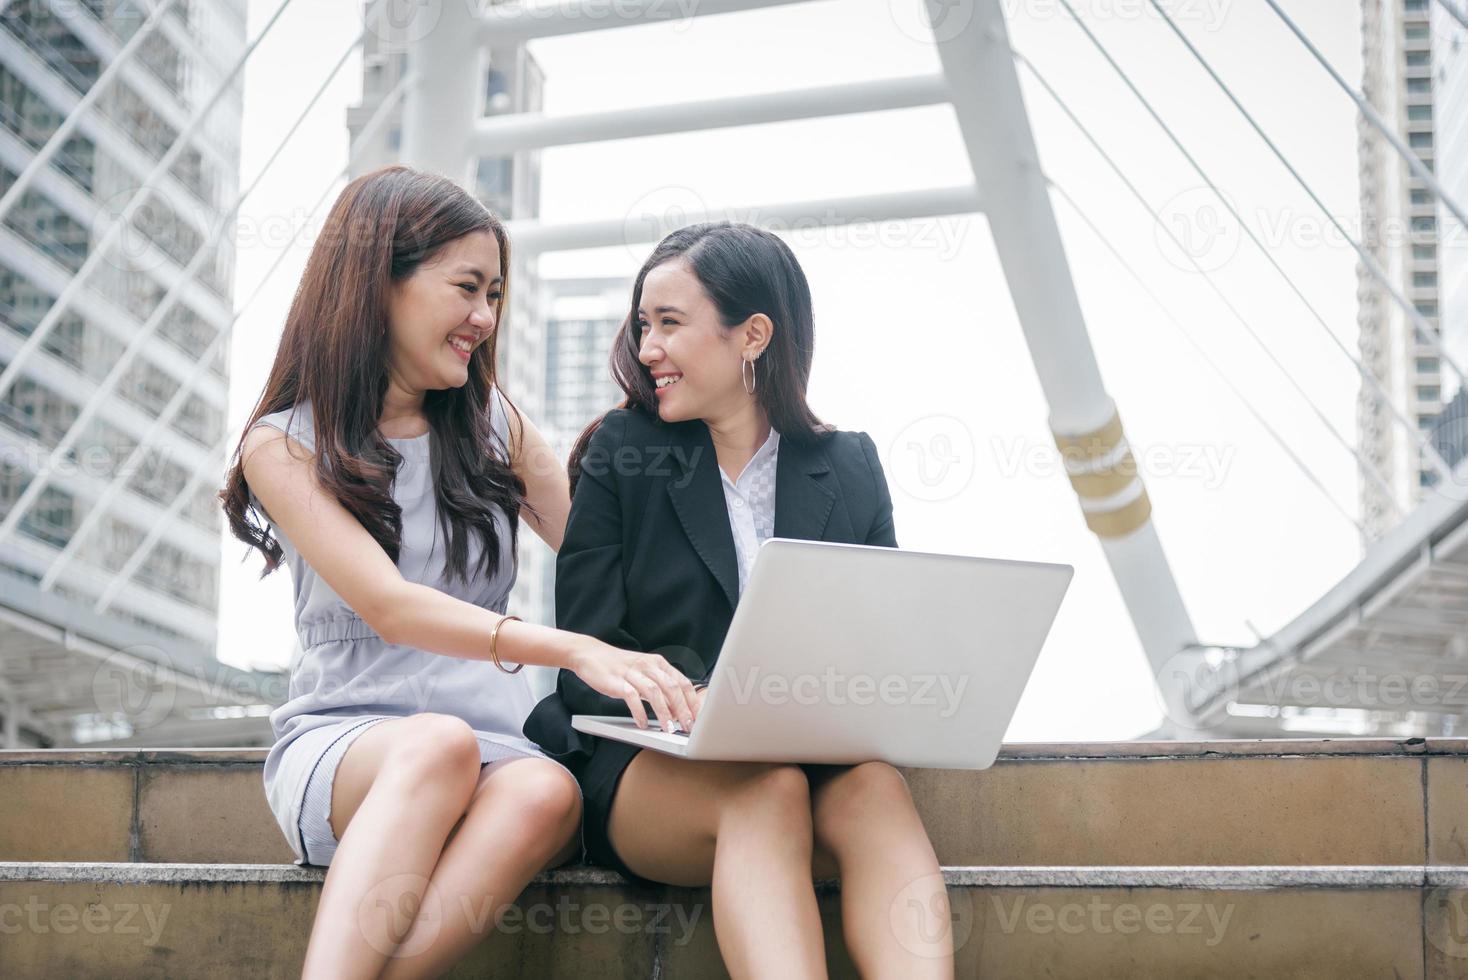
x=501 y=135
x=532 y=236
x=527 y=21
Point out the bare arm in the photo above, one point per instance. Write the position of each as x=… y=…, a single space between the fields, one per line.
x=282 y=475
x=547 y=490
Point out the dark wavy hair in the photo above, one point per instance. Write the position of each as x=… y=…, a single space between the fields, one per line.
x=744 y=270
x=334 y=354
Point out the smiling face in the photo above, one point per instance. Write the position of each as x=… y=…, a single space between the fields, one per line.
x=693 y=358
x=443 y=312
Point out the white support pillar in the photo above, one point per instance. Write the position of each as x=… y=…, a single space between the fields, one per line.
x=973 y=45
x=445 y=56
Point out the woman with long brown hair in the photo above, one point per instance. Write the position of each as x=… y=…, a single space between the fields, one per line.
x=391 y=474
x=714 y=451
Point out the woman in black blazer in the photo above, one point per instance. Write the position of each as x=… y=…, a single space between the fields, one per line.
x=714 y=359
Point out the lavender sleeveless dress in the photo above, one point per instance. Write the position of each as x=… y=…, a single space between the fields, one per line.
x=346 y=678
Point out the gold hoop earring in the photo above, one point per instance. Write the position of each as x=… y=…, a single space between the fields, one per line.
x=751 y=380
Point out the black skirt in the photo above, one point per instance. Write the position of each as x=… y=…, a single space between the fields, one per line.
x=597 y=764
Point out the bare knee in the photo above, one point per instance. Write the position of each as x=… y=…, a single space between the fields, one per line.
x=434 y=750
x=545 y=794
x=868 y=795
x=777 y=791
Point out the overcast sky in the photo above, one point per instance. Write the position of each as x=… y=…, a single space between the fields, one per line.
x=916 y=335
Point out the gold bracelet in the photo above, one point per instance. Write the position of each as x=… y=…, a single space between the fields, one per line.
x=494 y=636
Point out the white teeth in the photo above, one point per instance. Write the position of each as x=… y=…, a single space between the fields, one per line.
x=671 y=379
x=462 y=345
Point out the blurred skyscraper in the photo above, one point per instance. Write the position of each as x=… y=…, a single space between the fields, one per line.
x=92 y=552
x=1403 y=50
x=581 y=318
x=1450 y=98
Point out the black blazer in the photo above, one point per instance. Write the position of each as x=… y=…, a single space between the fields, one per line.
x=648 y=560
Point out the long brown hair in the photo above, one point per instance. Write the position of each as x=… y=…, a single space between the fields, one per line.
x=334 y=354
x=745 y=270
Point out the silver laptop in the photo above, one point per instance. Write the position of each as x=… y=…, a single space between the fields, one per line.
x=844 y=653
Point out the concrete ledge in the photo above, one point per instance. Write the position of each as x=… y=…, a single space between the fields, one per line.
x=107 y=920
x=1013 y=751
x=1228 y=803
x=104 y=920
x=1236 y=878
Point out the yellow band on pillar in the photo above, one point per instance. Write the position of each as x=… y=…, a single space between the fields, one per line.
x=1094 y=444
x=1097 y=483
x=1121 y=522
x=1107 y=481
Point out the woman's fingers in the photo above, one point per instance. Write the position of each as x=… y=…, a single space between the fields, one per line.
x=652 y=679
x=653 y=694
x=634 y=704
x=678 y=689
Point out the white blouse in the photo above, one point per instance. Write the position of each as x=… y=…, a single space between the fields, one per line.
x=750 y=501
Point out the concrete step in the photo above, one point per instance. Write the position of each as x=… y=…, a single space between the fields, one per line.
x=1244 y=802
x=85 y=920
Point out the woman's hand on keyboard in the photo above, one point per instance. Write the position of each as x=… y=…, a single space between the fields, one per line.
x=637 y=677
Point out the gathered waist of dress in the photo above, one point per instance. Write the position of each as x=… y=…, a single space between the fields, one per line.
x=343 y=626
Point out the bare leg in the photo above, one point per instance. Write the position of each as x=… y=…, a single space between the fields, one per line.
x=894 y=907
x=745 y=829
x=523 y=818
x=397 y=793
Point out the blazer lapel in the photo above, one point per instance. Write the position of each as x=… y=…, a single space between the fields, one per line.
x=803 y=500
x=697 y=494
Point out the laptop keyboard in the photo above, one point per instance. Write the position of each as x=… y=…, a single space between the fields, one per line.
x=653 y=728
